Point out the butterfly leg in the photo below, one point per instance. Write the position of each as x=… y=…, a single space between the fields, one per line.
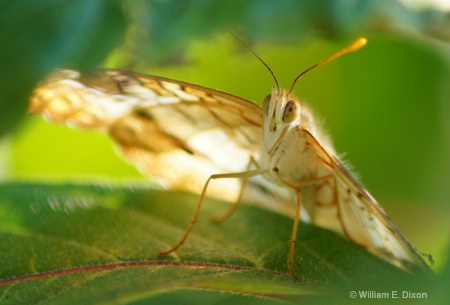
x=293 y=239
x=242 y=175
x=297 y=216
x=233 y=207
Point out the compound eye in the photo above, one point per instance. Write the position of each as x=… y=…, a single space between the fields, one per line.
x=291 y=111
x=266 y=104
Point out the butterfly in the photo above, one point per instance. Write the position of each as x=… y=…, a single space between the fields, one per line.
x=196 y=138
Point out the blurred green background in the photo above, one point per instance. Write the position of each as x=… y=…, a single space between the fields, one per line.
x=386 y=107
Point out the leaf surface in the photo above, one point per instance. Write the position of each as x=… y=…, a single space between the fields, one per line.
x=89 y=244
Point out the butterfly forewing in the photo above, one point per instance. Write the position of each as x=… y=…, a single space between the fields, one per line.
x=177 y=131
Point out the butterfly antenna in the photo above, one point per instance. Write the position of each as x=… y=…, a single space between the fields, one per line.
x=359 y=43
x=260 y=59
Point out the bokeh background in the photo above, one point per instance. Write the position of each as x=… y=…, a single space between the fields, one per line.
x=386 y=107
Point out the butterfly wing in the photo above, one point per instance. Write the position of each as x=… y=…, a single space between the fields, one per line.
x=179 y=132
x=359 y=217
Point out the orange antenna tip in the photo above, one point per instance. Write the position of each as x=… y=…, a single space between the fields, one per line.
x=357 y=44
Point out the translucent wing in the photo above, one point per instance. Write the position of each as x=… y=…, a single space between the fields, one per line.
x=177 y=131
x=360 y=218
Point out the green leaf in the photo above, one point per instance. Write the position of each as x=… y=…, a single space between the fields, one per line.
x=89 y=244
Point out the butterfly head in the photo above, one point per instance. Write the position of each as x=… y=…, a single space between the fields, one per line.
x=281 y=113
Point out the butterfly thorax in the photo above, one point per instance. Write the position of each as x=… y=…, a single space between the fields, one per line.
x=286 y=152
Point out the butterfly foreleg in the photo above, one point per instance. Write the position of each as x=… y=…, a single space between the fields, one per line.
x=233 y=207
x=241 y=175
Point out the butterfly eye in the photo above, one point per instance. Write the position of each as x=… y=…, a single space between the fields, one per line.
x=291 y=111
x=266 y=104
